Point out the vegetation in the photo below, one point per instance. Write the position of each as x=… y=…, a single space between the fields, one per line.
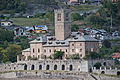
x=6 y=35
x=75 y=56
x=10 y=47
x=23 y=41
x=98 y=65
x=102 y=18
x=10 y=53
x=76 y=16
x=16 y=5
x=92 y=55
x=58 y=54
x=32 y=58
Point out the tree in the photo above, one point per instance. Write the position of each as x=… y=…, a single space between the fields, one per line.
x=74 y=28
x=6 y=35
x=13 y=50
x=75 y=56
x=107 y=43
x=98 y=65
x=76 y=16
x=23 y=41
x=58 y=54
x=3 y=55
x=96 y=20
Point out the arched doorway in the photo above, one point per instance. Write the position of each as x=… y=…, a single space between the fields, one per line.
x=32 y=67
x=71 y=67
x=47 y=67
x=118 y=73
x=55 y=67
x=40 y=67
x=103 y=72
x=25 y=67
x=63 y=67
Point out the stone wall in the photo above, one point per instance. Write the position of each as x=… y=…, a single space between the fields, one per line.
x=107 y=70
x=59 y=65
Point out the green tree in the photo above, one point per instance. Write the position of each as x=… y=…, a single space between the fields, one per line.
x=23 y=41
x=98 y=65
x=92 y=55
x=74 y=28
x=3 y=55
x=58 y=54
x=107 y=44
x=76 y=16
x=13 y=50
x=6 y=35
x=75 y=56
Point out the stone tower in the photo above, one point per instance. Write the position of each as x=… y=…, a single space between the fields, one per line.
x=62 y=24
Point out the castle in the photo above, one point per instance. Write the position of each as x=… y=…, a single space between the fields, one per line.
x=64 y=40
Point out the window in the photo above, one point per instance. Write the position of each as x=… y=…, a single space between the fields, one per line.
x=38 y=56
x=80 y=44
x=32 y=67
x=25 y=67
x=80 y=55
x=44 y=50
x=55 y=50
x=33 y=50
x=67 y=16
x=60 y=49
x=38 y=50
x=55 y=67
x=72 y=50
x=72 y=44
x=63 y=67
x=2 y=23
x=8 y=23
x=71 y=67
x=59 y=17
x=66 y=50
x=33 y=55
x=50 y=50
x=80 y=50
x=47 y=67
x=40 y=67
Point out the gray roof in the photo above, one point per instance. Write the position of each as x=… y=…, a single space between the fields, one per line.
x=26 y=50
x=64 y=43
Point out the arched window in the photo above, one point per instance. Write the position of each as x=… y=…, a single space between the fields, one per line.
x=63 y=67
x=55 y=67
x=32 y=67
x=40 y=67
x=71 y=67
x=25 y=67
x=47 y=67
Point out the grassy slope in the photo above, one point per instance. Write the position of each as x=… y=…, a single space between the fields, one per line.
x=28 y=21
